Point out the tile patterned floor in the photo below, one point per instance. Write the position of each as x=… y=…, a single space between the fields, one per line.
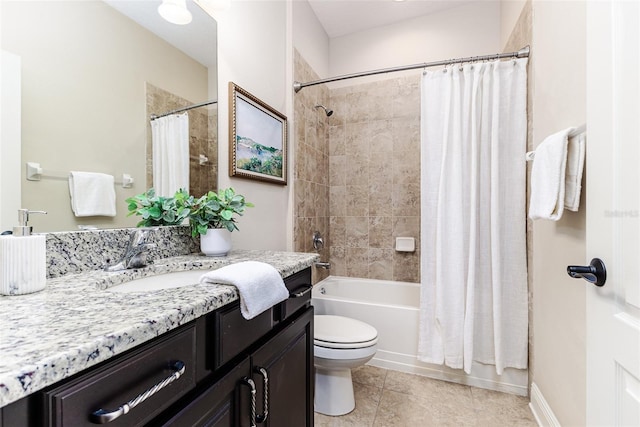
x=387 y=398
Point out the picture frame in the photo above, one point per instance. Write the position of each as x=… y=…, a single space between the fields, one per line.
x=257 y=138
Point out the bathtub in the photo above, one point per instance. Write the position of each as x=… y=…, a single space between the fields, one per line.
x=393 y=309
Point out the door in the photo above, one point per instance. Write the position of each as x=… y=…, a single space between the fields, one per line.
x=613 y=211
x=287 y=362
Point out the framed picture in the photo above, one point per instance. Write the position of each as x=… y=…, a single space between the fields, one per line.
x=257 y=138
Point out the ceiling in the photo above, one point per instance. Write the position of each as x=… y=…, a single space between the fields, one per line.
x=202 y=28
x=342 y=17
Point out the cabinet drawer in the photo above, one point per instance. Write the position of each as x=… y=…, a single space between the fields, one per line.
x=121 y=381
x=299 y=286
x=234 y=333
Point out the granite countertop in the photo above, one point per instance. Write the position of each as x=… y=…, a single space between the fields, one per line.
x=77 y=322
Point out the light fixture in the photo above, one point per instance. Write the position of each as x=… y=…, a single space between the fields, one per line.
x=175 y=11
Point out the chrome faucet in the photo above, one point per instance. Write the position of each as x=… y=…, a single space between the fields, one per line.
x=325 y=265
x=136 y=253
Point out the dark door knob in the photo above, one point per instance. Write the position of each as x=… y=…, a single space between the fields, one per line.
x=594 y=273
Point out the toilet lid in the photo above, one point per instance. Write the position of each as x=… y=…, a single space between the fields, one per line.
x=341 y=332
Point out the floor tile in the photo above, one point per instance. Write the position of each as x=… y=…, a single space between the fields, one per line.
x=501 y=409
x=439 y=392
x=367 y=399
x=386 y=398
x=369 y=375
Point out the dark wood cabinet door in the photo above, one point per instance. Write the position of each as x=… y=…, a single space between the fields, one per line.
x=218 y=405
x=287 y=360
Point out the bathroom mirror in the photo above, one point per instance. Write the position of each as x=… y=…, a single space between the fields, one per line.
x=91 y=74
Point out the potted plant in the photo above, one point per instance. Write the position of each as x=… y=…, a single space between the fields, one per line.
x=158 y=210
x=213 y=218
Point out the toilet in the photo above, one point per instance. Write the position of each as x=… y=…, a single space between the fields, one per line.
x=340 y=344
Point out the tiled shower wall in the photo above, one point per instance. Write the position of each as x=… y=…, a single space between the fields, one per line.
x=203 y=139
x=311 y=165
x=374 y=178
x=357 y=175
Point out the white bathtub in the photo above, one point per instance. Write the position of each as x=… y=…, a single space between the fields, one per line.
x=392 y=308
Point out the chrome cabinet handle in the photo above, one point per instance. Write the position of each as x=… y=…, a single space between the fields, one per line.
x=102 y=417
x=252 y=386
x=265 y=404
x=300 y=293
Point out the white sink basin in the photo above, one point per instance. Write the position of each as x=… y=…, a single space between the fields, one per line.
x=161 y=281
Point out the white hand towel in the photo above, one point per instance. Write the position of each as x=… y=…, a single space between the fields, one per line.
x=548 y=177
x=573 y=176
x=259 y=284
x=92 y=194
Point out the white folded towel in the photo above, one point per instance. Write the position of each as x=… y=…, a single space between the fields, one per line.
x=548 y=177
x=92 y=194
x=259 y=284
x=574 y=169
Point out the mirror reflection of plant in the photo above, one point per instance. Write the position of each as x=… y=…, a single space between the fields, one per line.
x=217 y=210
x=158 y=210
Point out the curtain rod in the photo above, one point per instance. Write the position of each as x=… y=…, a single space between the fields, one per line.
x=180 y=110
x=522 y=53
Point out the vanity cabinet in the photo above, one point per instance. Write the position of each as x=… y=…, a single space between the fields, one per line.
x=217 y=361
x=275 y=377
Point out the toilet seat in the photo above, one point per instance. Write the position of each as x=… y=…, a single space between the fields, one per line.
x=340 y=332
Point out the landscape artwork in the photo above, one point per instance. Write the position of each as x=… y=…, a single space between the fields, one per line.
x=258 y=138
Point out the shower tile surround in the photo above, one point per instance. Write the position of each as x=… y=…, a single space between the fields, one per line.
x=203 y=138
x=70 y=325
x=372 y=176
x=311 y=166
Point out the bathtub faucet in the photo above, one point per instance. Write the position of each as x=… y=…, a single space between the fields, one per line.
x=325 y=265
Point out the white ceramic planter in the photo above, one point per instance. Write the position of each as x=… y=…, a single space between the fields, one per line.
x=216 y=242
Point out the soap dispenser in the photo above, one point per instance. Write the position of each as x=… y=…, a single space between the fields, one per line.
x=23 y=261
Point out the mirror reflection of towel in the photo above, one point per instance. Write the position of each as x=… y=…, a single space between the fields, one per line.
x=92 y=194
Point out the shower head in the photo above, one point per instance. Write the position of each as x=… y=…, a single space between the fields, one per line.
x=327 y=112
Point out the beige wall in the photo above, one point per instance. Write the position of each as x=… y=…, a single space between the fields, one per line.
x=83 y=99
x=252 y=52
x=559 y=96
x=468 y=30
x=510 y=11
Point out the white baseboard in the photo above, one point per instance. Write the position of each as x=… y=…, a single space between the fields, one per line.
x=541 y=409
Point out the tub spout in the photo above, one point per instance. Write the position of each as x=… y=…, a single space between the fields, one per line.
x=325 y=265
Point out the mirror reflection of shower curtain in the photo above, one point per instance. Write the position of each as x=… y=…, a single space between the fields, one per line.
x=473 y=225
x=170 y=147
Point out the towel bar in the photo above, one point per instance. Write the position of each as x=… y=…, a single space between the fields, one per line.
x=530 y=155
x=36 y=173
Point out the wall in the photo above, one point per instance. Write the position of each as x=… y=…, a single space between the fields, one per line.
x=468 y=30
x=252 y=53
x=311 y=165
x=559 y=318
x=10 y=140
x=510 y=12
x=310 y=39
x=374 y=135
x=88 y=75
x=374 y=176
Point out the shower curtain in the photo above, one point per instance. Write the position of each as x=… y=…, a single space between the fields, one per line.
x=473 y=245
x=170 y=147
